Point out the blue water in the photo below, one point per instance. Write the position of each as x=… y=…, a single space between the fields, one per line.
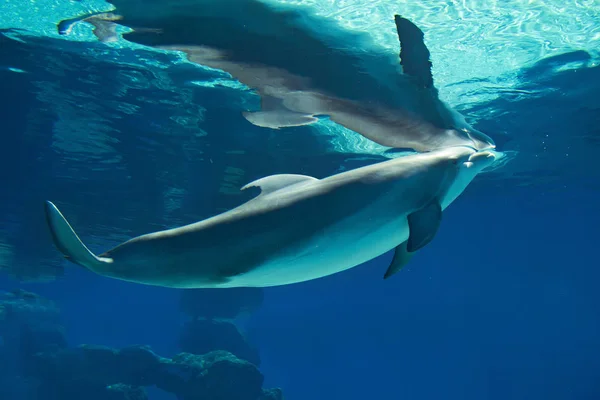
x=127 y=139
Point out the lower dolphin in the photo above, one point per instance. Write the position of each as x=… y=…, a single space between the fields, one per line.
x=298 y=228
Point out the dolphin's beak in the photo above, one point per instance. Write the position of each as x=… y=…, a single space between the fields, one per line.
x=480 y=155
x=487 y=157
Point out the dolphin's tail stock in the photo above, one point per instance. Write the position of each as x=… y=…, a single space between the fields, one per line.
x=68 y=243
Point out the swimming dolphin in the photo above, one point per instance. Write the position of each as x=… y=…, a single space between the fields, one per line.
x=421 y=121
x=302 y=77
x=298 y=228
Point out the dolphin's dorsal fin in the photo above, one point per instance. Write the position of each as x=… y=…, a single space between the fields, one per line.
x=272 y=183
x=414 y=54
x=401 y=257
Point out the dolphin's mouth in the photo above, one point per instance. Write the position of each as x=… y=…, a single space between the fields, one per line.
x=482 y=155
x=486 y=156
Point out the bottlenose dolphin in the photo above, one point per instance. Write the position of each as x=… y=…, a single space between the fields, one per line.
x=421 y=121
x=298 y=228
x=301 y=77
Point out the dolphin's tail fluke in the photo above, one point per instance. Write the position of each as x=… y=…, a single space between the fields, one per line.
x=68 y=243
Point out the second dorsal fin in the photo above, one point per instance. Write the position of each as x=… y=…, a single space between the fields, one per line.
x=272 y=183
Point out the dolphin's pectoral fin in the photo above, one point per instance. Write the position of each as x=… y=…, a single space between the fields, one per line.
x=276 y=119
x=423 y=225
x=414 y=55
x=274 y=114
x=401 y=257
x=272 y=183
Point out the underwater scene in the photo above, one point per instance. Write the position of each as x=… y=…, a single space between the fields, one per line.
x=299 y=199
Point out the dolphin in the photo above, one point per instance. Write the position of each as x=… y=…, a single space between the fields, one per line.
x=298 y=227
x=421 y=121
x=301 y=77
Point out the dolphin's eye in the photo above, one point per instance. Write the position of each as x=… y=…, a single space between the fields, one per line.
x=454 y=162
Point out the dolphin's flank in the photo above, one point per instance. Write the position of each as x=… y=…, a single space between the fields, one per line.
x=297 y=229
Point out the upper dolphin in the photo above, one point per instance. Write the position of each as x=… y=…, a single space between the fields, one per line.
x=297 y=229
x=304 y=67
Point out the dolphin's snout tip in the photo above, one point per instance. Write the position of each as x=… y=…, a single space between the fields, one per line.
x=483 y=159
x=481 y=155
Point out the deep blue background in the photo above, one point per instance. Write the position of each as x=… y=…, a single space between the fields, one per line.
x=503 y=304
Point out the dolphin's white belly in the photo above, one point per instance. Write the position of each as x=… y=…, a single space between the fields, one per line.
x=342 y=246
